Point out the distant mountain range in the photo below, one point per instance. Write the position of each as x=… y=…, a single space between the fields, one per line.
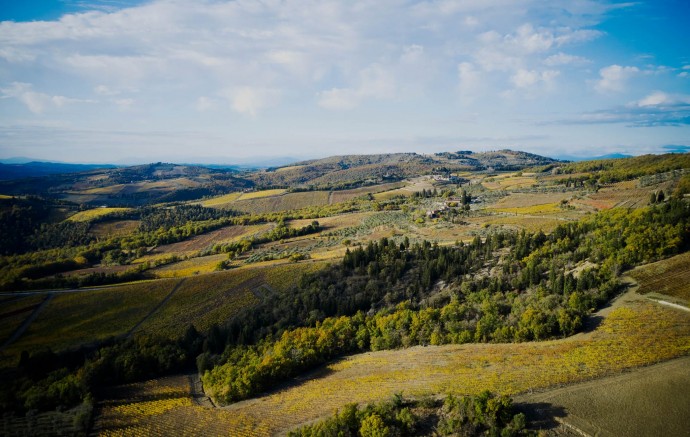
x=592 y=158
x=11 y=169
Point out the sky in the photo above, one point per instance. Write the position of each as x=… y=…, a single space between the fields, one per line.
x=215 y=81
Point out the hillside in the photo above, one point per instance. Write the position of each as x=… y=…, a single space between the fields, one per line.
x=353 y=170
x=36 y=168
x=438 y=282
x=130 y=186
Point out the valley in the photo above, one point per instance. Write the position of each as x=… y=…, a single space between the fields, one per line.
x=289 y=293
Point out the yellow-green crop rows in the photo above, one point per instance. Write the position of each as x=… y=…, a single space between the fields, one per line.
x=90 y=214
x=634 y=335
x=670 y=277
x=72 y=319
x=283 y=202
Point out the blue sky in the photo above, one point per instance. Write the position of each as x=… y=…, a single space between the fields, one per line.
x=128 y=81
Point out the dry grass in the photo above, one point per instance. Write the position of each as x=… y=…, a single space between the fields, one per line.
x=91 y=214
x=670 y=277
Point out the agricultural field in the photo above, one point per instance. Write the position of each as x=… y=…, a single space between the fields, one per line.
x=284 y=202
x=115 y=228
x=526 y=200
x=626 y=404
x=260 y=194
x=548 y=208
x=345 y=195
x=508 y=182
x=524 y=290
x=77 y=318
x=669 y=277
x=188 y=267
x=51 y=423
x=334 y=222
x=528 y=223
x=221 y=201
x=634 y=334
x=628 y=194
x=214 y=298
x=91 y=214
x=14 y=311
x=205 y=241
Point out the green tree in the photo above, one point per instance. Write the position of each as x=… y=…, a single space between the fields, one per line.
x=373 y=426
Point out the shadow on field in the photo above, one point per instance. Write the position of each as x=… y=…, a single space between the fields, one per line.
x=591 y=323
x=321 y=372
x=541 y=415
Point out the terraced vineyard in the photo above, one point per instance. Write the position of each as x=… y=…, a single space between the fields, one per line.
x=226 y=234
x=214 y=298
x=344 y=195
x=73 y=319
x=284 y=202
x=189 y=267
x=221 y=201
x=90 y=214
x=14 y=311
x=114 y=228
x=426 y=263
x=670 y=277
x=635 y=334
x=260 y=194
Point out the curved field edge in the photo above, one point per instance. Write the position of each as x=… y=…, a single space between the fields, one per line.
x=668 y=277
x=644 y=402
x=636 y=333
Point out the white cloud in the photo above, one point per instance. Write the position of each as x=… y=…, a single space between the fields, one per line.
x=180 y=57
x=660 y=98
x=374 y=82
x=561 y=58
x=103 y=90
x=614 y=77
x=338 y=99
x=249 y=100
x=529 y=78
x=124 y=103
x=34 y=101
x=204 y=103
x=470 y=80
